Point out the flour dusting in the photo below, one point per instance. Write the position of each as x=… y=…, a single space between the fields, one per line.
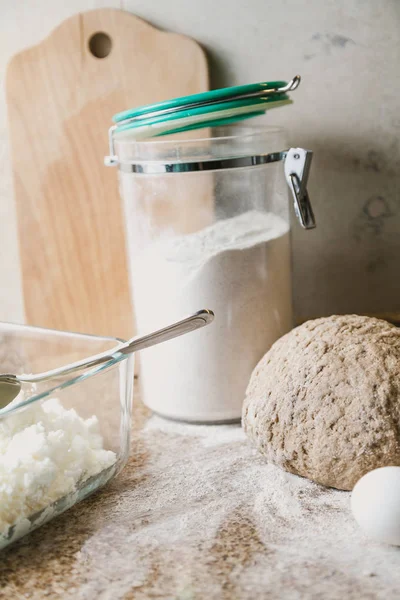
x=213 y=519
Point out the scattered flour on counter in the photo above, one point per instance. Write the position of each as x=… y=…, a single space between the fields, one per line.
x=46 y=452
x=202 y=515
x=208 y=435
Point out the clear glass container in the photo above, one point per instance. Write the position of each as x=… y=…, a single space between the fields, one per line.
x=207 y=226
x=53 y=454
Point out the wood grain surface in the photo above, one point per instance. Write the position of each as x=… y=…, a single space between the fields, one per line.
x=61 y=98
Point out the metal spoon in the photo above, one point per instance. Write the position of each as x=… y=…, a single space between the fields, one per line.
x=10 y=385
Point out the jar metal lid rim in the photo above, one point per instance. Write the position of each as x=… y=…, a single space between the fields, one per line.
x=152 y=167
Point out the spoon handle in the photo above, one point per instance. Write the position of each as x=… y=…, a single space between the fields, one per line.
x=196 y=321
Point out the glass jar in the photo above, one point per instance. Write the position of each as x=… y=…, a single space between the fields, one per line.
x=207 y=226
x=63 y=439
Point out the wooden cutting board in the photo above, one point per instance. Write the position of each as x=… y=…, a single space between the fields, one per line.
x=61 y=98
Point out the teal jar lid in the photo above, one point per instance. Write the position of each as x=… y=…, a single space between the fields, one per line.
x=203 y=110
x=205 y=98
x=208 y=109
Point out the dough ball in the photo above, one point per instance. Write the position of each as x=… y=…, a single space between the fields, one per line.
x=324 y=402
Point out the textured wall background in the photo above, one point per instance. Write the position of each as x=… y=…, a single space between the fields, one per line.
x=347 y=111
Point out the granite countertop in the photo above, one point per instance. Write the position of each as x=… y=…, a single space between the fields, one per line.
x=197 y=513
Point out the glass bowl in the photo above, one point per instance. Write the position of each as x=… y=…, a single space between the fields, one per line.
x=63 y=439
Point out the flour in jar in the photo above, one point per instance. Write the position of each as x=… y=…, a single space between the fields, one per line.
x=239 y=268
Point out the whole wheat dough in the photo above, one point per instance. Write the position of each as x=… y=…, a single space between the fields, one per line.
x=324 y=402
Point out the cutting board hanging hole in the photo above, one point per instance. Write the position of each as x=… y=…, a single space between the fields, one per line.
x=100 y=44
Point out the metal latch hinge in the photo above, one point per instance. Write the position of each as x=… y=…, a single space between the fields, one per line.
x=297 y=168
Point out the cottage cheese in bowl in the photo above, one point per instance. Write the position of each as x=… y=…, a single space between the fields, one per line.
x=48 y=457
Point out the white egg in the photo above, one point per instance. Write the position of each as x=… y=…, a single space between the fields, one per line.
x=375 y=502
